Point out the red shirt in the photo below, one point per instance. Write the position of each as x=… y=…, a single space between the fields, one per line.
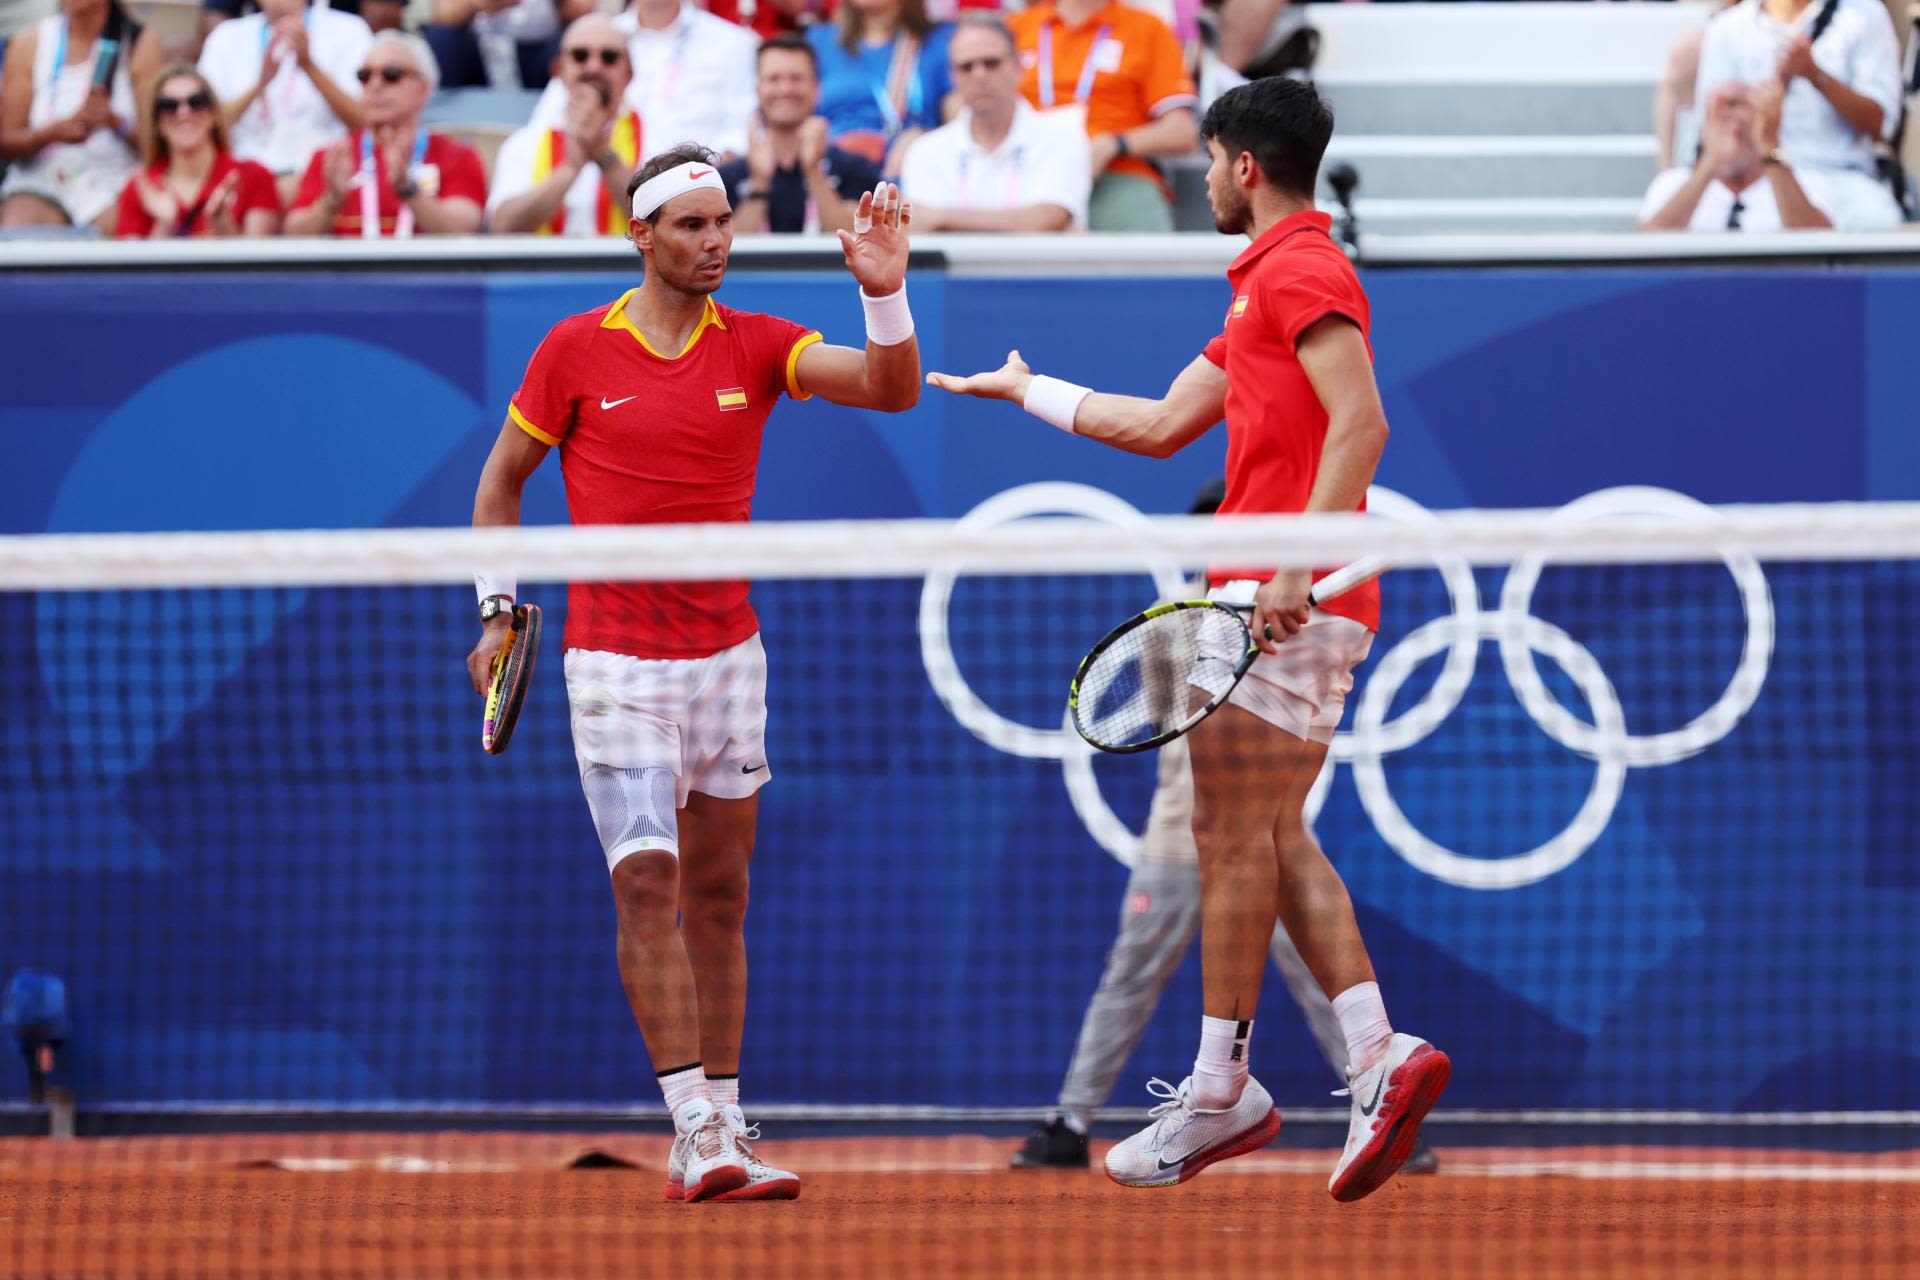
x=1285 y=282
x=651 y=439
x=253 y=189
x=447 y=169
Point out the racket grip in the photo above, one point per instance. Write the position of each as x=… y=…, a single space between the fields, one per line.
x=1341 y=581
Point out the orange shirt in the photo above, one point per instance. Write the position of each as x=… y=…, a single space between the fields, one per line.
x=1137 y=75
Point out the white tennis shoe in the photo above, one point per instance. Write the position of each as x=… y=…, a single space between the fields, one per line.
x=764 y=1182
x=1184 y=1139
x=706 y=1161
x=1389 y=1099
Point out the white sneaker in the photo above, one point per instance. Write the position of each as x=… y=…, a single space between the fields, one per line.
x=705 y=1161
x=764 y=1182
x=1389 y=1102
x=1184 y=1139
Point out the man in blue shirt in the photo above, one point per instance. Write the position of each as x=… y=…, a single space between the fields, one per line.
x=791 y=179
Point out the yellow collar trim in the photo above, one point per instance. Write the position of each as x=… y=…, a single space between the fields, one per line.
x=616 y=318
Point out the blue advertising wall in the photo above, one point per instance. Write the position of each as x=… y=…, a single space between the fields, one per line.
x=248 y=909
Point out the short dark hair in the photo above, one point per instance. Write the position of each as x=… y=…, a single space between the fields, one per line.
x=788 y=42
x=685 y=153
x=1282 y=122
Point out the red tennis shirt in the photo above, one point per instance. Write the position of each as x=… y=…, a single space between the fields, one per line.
x=647 y=438
x=1285 y=282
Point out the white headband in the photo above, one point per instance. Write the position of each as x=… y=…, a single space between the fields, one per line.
x=677 y=181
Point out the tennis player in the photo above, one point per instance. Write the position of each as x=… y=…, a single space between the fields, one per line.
x=657 y=402
x=1292 y=371
x=1159 y=914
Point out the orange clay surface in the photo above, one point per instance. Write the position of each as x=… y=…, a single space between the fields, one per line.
x=460 y=1204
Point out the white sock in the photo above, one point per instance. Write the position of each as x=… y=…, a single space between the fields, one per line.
x=1363 y=1018
x=1220 y=1071
x=725 y=1090
x=682 y=1085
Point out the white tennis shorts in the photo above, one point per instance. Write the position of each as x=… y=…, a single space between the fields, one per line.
x=705 y=719
x=1303 y=688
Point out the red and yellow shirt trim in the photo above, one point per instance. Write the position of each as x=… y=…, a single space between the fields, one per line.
x=793 y=365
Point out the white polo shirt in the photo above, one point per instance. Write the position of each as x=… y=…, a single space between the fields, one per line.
x=1858 y=49
x=1042 y=160
x=513 y=176
x=289 y=121
x=692 y=82
x=1852 y=201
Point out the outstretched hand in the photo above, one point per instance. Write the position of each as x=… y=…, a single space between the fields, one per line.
x=1008 y=382
x=876 y=248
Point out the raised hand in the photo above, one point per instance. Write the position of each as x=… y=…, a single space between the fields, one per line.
x=338 y=169
x=156 y=200
x=220 y=206
x=876 y=248
x=1008 y=382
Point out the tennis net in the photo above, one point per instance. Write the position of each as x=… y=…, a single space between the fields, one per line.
x=1623 y=796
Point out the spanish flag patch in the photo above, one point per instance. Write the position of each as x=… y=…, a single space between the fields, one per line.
x=732 y=398
x=1240 y=305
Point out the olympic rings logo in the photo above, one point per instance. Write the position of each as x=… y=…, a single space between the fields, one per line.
x=1511 y=625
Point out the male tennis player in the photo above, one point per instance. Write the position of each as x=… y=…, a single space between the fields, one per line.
x=1159 y=914
x=1293 y=373
x=657 y=402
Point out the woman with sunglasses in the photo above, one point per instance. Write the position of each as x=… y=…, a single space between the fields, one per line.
x=67 y=95
x=192 y=185
x=392 y=178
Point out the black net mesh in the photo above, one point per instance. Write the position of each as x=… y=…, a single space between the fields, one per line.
x=331 y=992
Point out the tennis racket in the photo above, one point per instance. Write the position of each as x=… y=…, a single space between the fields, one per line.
x=512 y=672
x=1133 y=692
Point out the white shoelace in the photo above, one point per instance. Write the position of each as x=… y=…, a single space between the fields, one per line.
x=708 y=1137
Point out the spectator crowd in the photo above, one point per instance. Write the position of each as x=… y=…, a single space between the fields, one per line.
x=289 y=117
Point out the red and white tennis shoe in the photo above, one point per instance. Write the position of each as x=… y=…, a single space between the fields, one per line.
x=1390 y=1099
x=1184 y=1139
x=705 y=1162
x=764 y=1182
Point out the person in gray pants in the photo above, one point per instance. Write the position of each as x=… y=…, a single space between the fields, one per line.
x=1159 y=915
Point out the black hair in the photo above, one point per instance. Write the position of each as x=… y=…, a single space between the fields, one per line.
x=1282 y=122
x=1823 y=20
x=673 y=158
x=789 y=42
x=1208 y=500
x=124 y=31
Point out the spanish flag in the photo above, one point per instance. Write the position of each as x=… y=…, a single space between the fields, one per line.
x=612 y=218
x=731 y=398
x=1240 y=305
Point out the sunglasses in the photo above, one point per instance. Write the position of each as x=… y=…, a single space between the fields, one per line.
x=608 y=57
x=391 y=75
x=979 y=64
x=199 y=100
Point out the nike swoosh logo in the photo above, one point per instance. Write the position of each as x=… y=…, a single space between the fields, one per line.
x=1373 y=1106
x=614 y=404
x=698 y=173
x=755 y=769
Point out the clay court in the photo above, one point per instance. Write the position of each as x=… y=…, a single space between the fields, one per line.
x=350 y=1205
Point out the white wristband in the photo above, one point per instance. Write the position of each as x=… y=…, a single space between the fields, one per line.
x=889 y=322
x=1054 y=400
x=487 y=585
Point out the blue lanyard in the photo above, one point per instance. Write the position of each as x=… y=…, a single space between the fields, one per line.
x=60 y=51
x=890 y=114
x=366 y=152
x=1083 y=90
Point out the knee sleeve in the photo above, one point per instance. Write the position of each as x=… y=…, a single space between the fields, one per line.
x=632 y=810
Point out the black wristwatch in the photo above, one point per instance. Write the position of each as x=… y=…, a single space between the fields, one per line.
x=405 y=187
x=1120 y=147
x=493 y=606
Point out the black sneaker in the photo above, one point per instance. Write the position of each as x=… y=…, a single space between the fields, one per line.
x=1052 y=1145
x=1422 y=1160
